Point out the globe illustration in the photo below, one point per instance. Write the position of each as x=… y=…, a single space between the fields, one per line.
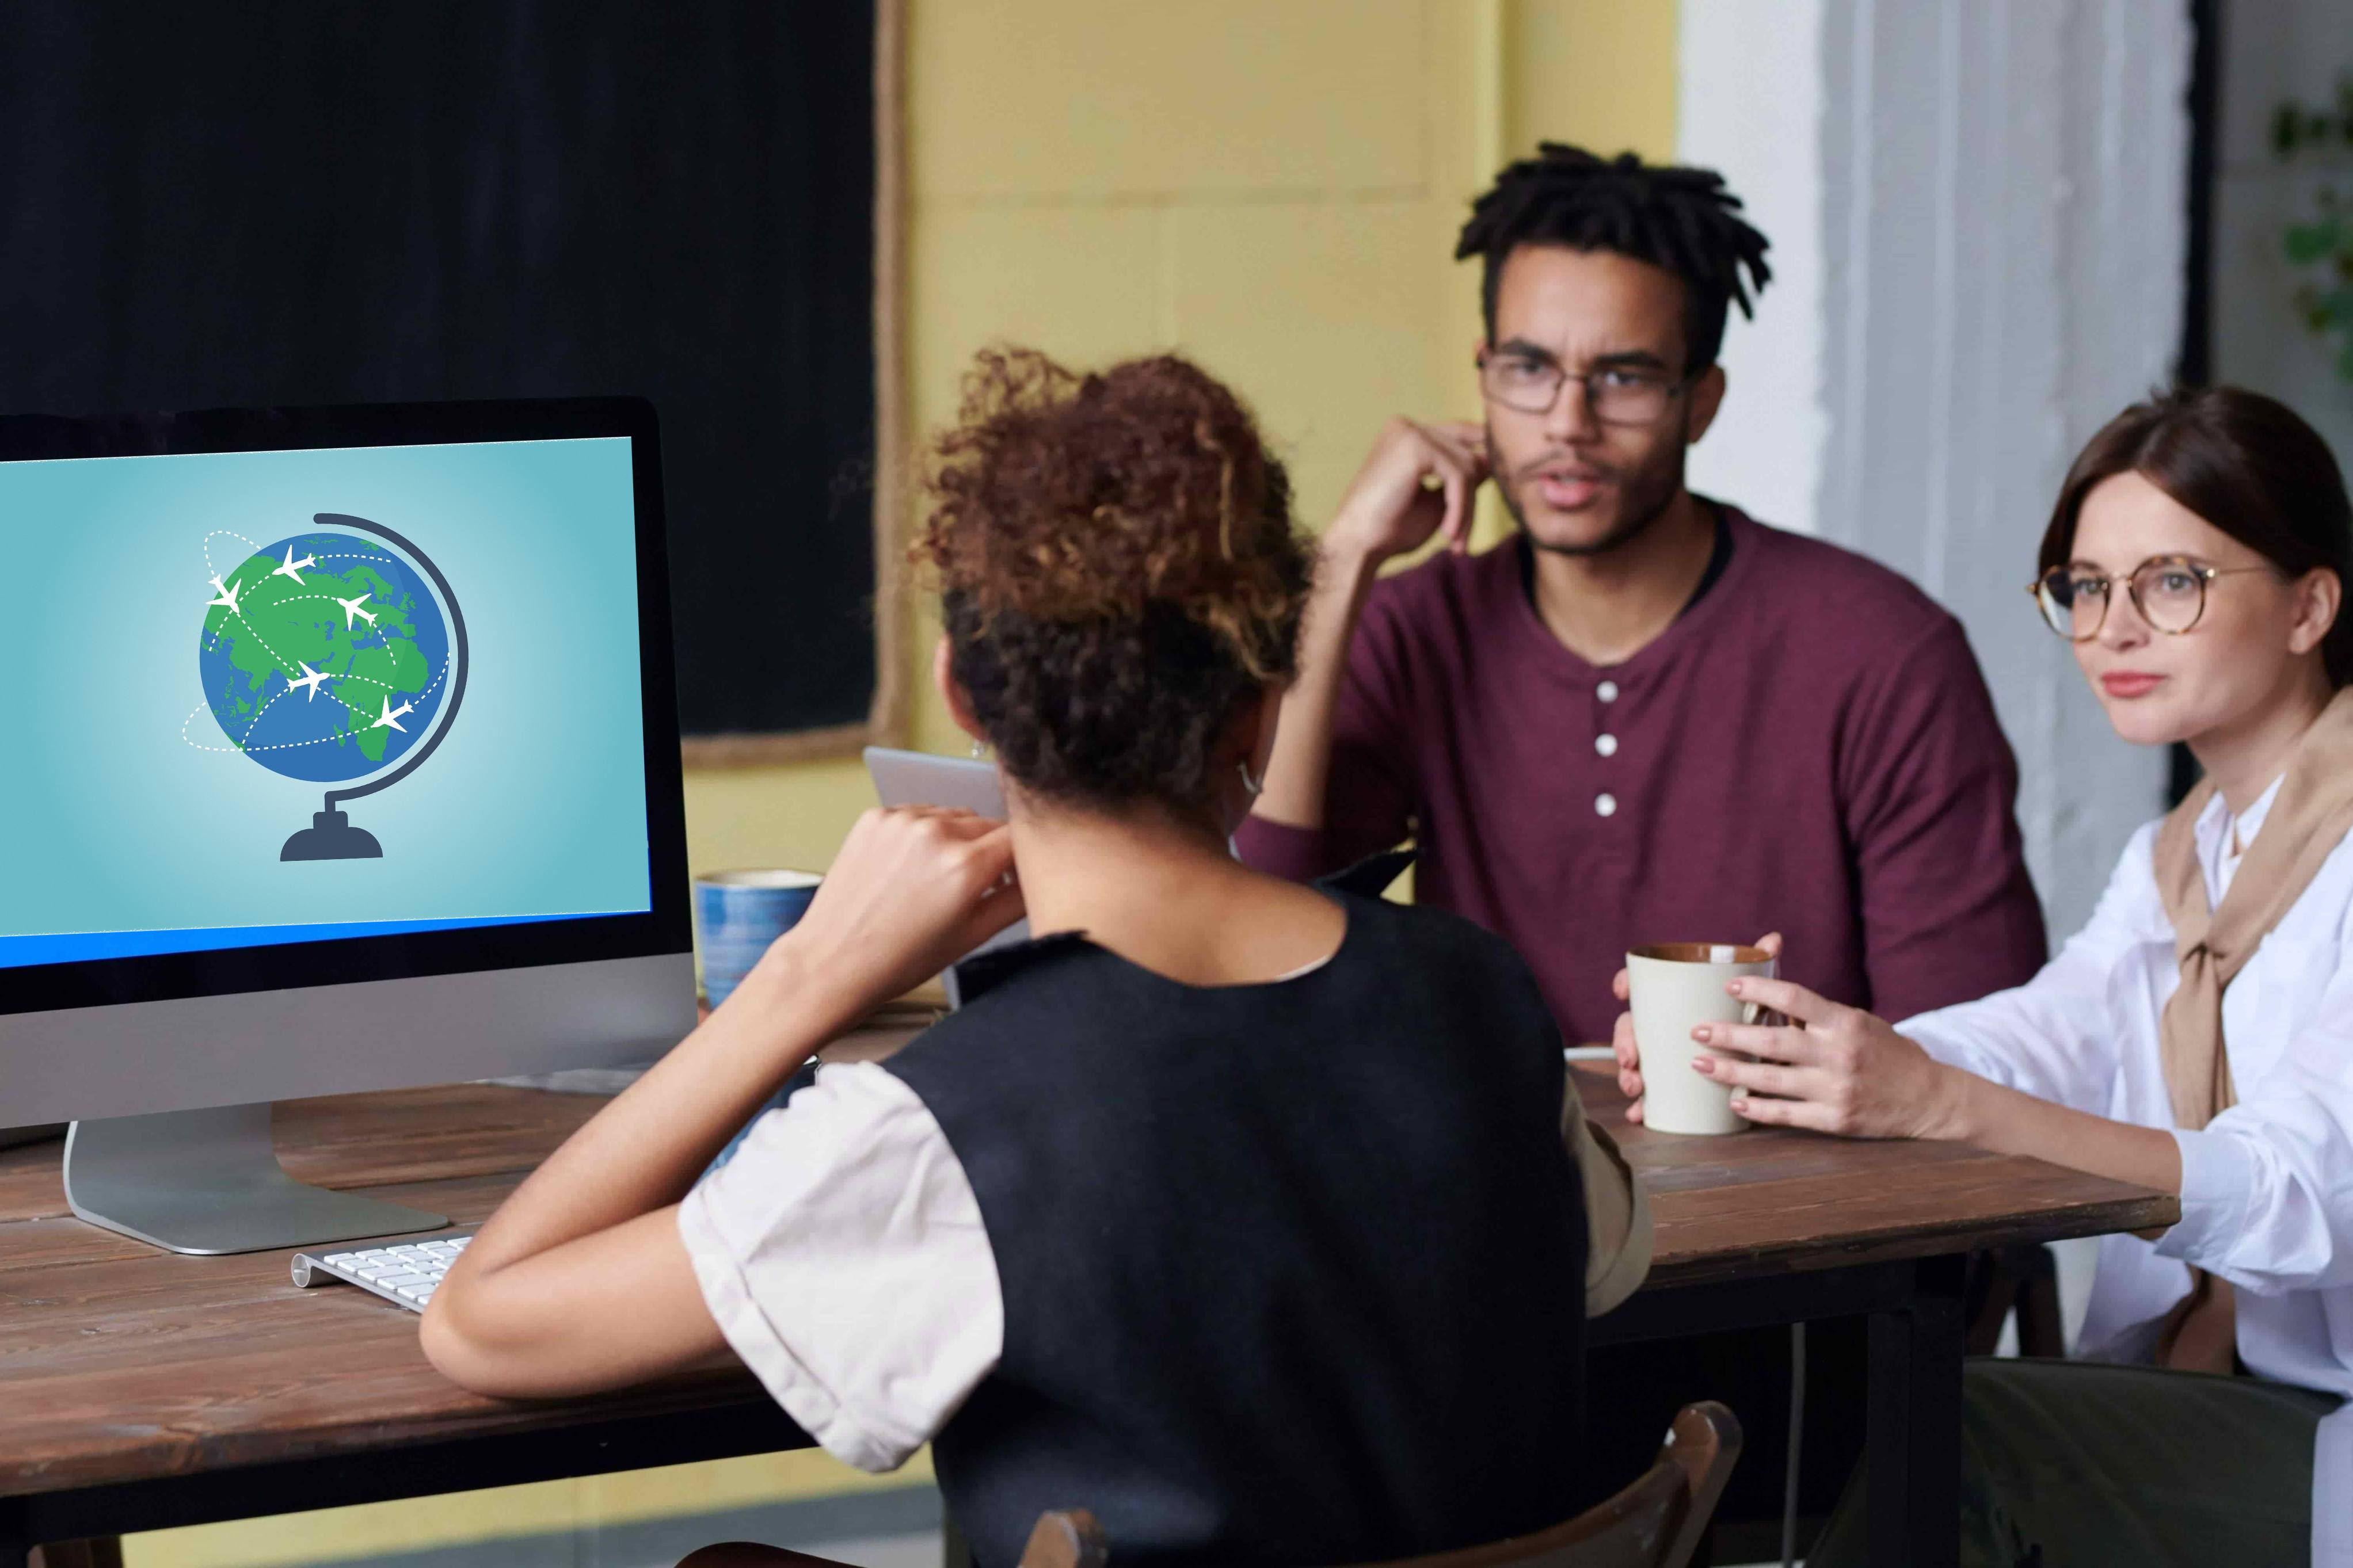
x=327 y=655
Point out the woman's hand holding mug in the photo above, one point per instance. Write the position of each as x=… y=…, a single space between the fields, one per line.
x=1624 y=1045
x=1829 y=1068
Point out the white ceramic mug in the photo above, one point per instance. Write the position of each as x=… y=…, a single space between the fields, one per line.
x=1674 y=988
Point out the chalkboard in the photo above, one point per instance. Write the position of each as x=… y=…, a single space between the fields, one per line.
x=234 y=204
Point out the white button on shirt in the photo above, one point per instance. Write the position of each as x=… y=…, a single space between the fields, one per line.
x=1605 y=805
x=2267 y=1185
x=1607 y=691
x=1605 y=744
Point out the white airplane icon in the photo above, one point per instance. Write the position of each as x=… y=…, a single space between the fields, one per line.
x=309 y=681
x=291 y=567
x=391 y=716
x=351 y=607
x=228 y=596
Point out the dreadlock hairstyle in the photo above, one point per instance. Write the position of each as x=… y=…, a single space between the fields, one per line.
x=1674 y=217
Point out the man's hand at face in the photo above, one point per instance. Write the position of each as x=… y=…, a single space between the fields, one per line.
x=1418 y=481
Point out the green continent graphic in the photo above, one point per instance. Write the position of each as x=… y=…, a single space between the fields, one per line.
x=280 y=625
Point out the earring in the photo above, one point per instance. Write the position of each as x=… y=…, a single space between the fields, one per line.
x=1251 y=786
x=979 y=749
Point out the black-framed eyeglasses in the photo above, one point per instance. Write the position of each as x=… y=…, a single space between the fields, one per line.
x=1617 y=393
x=2170 y=592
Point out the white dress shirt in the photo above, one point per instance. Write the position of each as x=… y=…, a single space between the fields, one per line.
x=841 y=1252
x=2267 y=1185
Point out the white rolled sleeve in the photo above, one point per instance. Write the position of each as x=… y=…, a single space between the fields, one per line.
x=842 y=1254
x=2218 y=1179
x=2267 y=1188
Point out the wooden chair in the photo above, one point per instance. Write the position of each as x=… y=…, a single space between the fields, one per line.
x=1654 y=1523
x=1066 y=1538
x=1657 y=1522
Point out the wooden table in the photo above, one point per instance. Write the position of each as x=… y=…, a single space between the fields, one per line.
x=1772 y=1226
x=141 y=1390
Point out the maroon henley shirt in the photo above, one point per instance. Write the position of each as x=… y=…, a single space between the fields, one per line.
x=1809 y=748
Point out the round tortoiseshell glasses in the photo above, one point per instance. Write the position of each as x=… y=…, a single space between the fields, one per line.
x=2170 y=592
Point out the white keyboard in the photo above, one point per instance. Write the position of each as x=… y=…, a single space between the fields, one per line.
x=408 y=1273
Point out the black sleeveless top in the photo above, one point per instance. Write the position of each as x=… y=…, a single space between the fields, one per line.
x=1292 y=1272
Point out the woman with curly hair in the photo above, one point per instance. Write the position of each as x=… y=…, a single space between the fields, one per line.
x=1256 y=1219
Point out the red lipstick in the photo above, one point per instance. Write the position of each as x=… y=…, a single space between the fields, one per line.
x=2129 y=683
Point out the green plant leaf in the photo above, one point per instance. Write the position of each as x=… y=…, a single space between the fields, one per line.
x=2315 y=241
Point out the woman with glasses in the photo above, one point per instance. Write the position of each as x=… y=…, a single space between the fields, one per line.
x=2196 y=1036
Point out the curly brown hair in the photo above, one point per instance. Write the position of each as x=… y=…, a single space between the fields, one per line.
x=1118 y=571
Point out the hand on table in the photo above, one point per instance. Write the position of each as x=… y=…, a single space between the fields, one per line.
x=1622 y=1033
x=913 y=890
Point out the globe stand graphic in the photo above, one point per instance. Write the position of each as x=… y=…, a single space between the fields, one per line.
x=208 y=1181
x=330 y=836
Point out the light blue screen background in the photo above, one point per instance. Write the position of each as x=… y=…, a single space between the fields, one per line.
x=533 y=805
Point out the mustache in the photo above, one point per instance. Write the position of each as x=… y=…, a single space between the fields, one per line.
x=1582 y=468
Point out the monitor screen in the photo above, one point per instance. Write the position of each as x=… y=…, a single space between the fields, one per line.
x=325 y=711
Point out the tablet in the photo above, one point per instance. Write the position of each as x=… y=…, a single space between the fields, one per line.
x=966 y=783
x=919 y=778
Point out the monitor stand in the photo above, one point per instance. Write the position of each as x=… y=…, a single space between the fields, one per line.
x=209 y=1182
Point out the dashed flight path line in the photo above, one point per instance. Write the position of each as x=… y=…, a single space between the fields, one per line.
x=251 y=547
x=383 y=639
x=430 y=688
x=234 y=750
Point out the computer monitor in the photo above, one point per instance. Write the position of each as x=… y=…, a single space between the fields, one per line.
x=340 y=753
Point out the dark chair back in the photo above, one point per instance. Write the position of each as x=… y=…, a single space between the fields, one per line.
x=1654 y=1523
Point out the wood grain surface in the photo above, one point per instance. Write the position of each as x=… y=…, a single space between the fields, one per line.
x=1772 y=1200
x=119 y=1362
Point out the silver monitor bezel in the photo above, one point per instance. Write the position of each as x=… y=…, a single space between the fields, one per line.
x=130 y=1036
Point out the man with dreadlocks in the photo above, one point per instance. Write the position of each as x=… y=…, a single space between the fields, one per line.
x=1645 y=716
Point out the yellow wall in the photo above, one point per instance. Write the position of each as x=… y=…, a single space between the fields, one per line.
x=1600 y=73
x=1271 y=186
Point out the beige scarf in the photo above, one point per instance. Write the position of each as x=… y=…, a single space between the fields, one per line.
x=2313 y=811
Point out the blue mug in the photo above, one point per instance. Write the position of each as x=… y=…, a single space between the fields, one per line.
x=739 y=914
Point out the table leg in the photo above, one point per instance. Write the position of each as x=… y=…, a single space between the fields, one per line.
x=98 y=1552
x=1914 y=1423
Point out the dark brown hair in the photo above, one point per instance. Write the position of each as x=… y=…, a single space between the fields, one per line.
x=2242 y=461
x=1118 y=571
